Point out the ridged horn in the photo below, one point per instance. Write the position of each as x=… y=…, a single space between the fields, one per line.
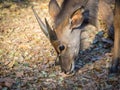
x=52 y=34
x=41 y=24
x=45 y=27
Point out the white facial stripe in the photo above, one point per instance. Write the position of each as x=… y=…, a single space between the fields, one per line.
x=73 y=66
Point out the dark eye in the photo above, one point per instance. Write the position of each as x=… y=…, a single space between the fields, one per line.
x=61 y=47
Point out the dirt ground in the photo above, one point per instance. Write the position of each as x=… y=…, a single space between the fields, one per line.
x=27 y=57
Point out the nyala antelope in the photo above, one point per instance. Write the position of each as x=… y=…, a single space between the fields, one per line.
x=70 y=19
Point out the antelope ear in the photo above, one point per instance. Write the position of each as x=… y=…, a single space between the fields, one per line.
x=54 y=8
x=77 y=18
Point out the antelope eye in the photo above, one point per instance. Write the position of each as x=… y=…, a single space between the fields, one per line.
x=61 y=47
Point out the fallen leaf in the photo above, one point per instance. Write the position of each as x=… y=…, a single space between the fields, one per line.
x=19 y=74
x=10 y=65
x=6 y=82
x=52 y=75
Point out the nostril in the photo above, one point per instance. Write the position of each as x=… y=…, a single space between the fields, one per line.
x=64 y=71
x=70 y=73
x=67 y=73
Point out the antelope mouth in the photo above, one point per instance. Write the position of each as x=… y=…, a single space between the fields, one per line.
x=72 y=70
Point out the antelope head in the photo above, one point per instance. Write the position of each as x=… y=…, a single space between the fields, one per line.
x=65 y=35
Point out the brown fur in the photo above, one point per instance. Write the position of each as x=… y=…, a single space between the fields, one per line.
x=116 y=53
x=105 y=14
x=97 y=10
x=69 y=6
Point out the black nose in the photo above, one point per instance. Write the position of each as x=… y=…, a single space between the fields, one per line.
x=69 y=72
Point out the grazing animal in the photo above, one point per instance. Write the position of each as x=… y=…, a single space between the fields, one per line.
x=116 y=53
x=70 y=19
